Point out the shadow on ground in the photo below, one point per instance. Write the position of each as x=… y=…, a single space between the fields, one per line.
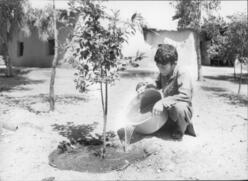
x=15 y=71
x=163 y=133
x=138 y=73
x=214 y=89
x=231 y=98
x=78 y=133
x=36 y=103
x=230 y=78
x=83 y=151
x=18 y=81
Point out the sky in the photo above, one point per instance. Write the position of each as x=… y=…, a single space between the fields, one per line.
x=158 y=14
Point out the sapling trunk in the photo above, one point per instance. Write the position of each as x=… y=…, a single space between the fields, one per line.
x=247 y=82
x=234 y=71
x=102 y=98
x=240 y=78
x=198 y=53
x=105 y=116
x=54 y=64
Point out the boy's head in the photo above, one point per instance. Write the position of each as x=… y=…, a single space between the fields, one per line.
x=166 y=58
x=166 y=54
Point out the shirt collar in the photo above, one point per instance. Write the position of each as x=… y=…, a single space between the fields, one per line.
x=174 y=74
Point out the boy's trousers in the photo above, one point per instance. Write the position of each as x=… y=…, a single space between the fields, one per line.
x=180 y=115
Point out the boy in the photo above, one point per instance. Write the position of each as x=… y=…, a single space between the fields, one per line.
x=177 y=90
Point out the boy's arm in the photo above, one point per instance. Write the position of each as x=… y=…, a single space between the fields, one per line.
x=185 y=91
x=158 y=82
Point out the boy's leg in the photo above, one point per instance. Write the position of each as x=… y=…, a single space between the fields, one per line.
x=180 y=114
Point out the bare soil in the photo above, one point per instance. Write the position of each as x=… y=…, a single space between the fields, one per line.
x=220 y=150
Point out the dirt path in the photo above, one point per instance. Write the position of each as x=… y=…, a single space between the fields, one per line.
x=218 y=152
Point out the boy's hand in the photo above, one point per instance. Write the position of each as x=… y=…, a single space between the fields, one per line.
x=142 y=86
x=168 y=103
x=158 y=108
x=141 y=89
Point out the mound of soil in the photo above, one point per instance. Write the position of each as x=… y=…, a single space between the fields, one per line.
x=87 y=159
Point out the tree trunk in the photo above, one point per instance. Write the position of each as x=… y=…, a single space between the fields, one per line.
x=7 y=60
x=5 y=51
x=240 y=78
x=198 y=53
x=234 y=71
x=105 y=117
x=54 y=64
x=204 y=54
x=9 y=70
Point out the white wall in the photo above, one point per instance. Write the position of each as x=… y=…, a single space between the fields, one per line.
x=35 y=51
x=184 y=41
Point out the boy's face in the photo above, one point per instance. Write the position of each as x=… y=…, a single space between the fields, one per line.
x=166 y=69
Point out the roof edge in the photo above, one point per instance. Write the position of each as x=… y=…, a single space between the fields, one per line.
x=146 y=29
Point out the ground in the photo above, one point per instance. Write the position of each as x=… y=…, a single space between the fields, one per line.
x=220 y=118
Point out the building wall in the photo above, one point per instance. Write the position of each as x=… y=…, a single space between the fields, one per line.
x=36 y=51
x=183 y=40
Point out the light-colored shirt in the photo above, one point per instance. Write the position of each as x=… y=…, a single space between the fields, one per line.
x=177 y=87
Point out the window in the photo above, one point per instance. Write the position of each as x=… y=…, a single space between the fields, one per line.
x=51 y=44
x=20 y=49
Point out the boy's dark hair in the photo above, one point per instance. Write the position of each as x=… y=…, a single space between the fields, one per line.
x=166 y=54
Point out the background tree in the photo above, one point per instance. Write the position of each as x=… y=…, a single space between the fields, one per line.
x=229 y=41
x=55 y=60
x=96 y=49
x=16 y=15
x=214 y=28
x=12 y=20
x=43 y=21
x=189 y=16
x=46 y=23
x=237 y=34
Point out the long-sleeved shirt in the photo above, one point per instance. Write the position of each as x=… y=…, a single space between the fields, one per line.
x=177 y=87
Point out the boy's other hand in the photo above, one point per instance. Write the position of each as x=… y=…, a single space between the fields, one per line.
x=157 y=108
x=141 y=90
x=168 y=103
x=142 y=86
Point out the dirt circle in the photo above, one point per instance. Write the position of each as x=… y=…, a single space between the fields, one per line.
x=87 y=159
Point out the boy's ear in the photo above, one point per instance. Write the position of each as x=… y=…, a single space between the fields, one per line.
x=174 y=63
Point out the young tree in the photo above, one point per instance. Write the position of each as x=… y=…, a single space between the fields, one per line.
x=214 y=28
x=189 y=15
x=237 y=34
x=55 y=60
x=12 y=19
x=96 y=49
x=45 y=21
